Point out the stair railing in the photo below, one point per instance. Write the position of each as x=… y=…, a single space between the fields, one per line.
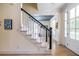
x=37 y=29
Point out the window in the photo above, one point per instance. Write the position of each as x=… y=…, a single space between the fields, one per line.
x=77 y=10
x=72 y=23
x=72 y=13
x=77 y=22
x=66 y=24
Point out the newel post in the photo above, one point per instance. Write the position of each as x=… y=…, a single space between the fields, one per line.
x=50 y=39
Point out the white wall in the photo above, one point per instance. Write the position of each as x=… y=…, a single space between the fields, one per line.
x=13 y=40
x=70 y=43
x=61 y=28
x=55 y=32
x=30 y=8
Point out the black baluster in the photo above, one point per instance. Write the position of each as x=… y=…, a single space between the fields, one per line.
x=46 y=35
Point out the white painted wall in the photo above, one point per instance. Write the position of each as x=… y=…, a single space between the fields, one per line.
x=55 y=32
x=13 y=40
x=30 y=8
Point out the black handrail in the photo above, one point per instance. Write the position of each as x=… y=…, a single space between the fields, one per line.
x=35 y=19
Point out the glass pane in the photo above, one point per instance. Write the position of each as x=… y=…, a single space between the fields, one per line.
x=72 y=13
x=77 y=23
x=77 y=28
x=77 y=34
x=77 y=10
x=72 y=23
x=72 y=28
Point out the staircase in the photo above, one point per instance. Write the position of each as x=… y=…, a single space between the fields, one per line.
x=39 y=34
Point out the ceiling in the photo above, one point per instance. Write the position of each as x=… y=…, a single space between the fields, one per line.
x=49 y=7
x=44 y=17
x=34 y=5
x=45 y=8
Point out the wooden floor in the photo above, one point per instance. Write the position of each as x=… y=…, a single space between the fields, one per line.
x=62 y=51
x=58 y=50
